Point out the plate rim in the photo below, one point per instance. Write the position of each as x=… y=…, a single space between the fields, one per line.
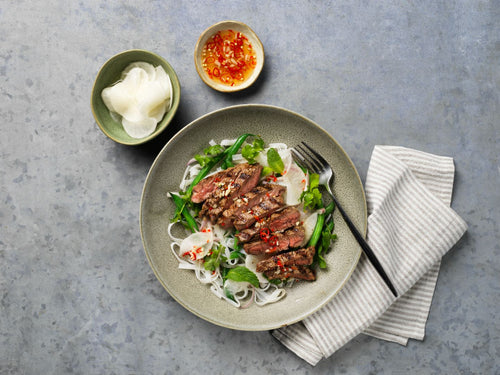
x=155 y=271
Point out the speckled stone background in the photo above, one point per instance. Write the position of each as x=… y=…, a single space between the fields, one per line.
x=76 y=292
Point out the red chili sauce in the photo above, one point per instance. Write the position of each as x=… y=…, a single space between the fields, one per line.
x=228 y=57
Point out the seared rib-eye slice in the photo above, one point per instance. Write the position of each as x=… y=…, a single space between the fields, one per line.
x=287 y=218
x=301 y=257
x=296 y=272
x=235 y=180
x=278 y=221
x=276 y=243
x=268 y=203
x=243 y=203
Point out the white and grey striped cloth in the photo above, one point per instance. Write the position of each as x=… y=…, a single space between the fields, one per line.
x=410 y=227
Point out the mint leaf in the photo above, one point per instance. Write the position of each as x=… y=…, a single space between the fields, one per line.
x=242 y=273
x=266 y=171
x=274 y=161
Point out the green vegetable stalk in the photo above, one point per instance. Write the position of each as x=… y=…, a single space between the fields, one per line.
x=318 y=228
x=181 y=207
x=322 y=234
x=204 y=171
x=229 y=152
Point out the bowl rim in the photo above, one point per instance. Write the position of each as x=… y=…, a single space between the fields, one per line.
x=259 y=47
x=176 y=91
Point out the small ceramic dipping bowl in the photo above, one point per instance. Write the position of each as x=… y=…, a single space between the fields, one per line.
x=201 y=65
x=110 y=73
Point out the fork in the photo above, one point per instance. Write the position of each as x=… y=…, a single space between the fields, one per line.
x=313 y=161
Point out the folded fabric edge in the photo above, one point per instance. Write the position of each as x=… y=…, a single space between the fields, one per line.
x=407 y=316
x=308 y=354
x=435 y=172
x=378 y=334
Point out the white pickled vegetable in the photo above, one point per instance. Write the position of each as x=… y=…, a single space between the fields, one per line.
x=197 y=245
x=140 y=99
x=293 y=178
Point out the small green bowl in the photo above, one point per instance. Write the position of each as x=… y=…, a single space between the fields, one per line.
x=109 y=74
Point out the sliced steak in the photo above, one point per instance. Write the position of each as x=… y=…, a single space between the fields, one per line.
x=269 y=202
x=205 y=188
x=296 y=272
x=243 y=203
x=301 y=257
x=235 y=180
x=278 y=221
x=232 y=182
x=279 y=242
x=287 y=218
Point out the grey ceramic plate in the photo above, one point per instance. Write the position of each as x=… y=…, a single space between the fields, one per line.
x=274 y=125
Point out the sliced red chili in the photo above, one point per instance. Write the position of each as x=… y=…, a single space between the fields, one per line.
x=264 y=234
x=273 y=240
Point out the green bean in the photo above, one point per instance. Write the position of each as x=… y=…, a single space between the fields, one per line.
x=229 y=152
x=317 y=230
x=329 y=209
x=320 y=222
x=181 y=206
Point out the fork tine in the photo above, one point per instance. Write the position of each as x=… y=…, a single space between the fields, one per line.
x=318 y=156
x=318 y=167
x=302 y=160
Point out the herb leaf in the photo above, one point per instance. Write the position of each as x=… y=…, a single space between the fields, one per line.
x=242 y=273
x=235 y=255
x=250 y=151
x=214 y=258
x=274 y=160
x=266 y=171
x=312 y=196
x=208 y=154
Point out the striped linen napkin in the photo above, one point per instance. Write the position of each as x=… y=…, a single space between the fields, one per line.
x=410 y=227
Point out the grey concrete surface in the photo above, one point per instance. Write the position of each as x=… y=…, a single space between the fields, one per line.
x=76 y=292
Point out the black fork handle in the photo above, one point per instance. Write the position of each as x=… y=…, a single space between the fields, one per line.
x=366 y=248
